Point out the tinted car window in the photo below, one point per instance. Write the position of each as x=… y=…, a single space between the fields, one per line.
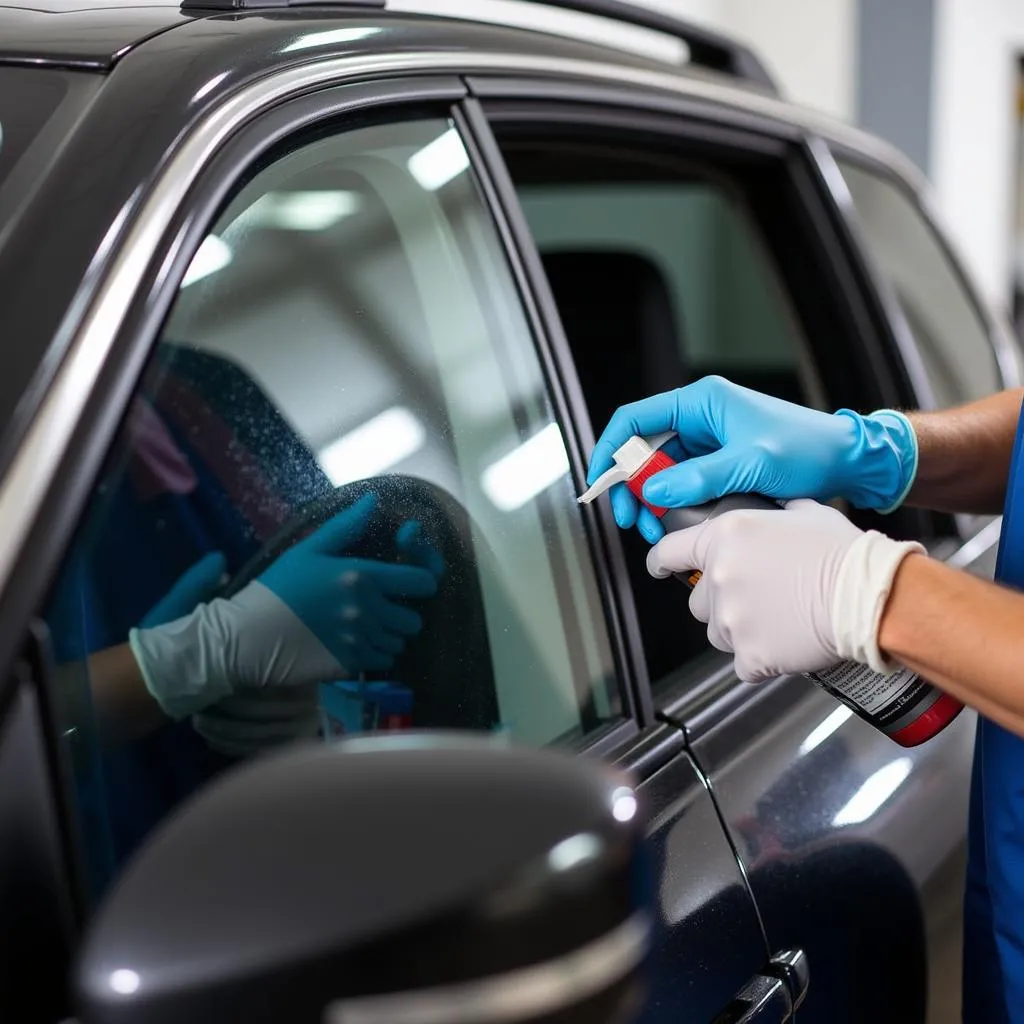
x=346 y=384
x=661 y=277
x=941 y=314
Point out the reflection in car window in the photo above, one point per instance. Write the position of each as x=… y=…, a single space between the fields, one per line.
x=339 y=501
x=942 y=316
x=661 y=277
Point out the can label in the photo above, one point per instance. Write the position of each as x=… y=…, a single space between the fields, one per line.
x=889 y=702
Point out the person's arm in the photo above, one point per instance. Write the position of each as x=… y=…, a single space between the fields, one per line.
x=962 y=633
x=733 y=440
x=125 y=710
x=964 y=454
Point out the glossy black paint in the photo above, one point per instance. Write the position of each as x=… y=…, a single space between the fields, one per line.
x=88 y=38
x=709 y=942
x=272 y=906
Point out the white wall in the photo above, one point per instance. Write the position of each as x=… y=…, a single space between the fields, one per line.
x=974 y=134
x=810 y=46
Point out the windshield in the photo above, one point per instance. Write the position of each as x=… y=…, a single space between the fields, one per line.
x=37 y=107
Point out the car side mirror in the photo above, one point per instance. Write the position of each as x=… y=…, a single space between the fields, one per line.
x=406 y=880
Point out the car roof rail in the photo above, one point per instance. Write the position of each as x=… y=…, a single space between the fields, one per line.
x=249 y=5
x=707 y=48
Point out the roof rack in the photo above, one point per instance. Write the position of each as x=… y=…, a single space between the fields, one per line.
x=249 y=5
x=708 y=49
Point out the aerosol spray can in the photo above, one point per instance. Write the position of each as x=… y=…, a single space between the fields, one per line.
x=901 y=704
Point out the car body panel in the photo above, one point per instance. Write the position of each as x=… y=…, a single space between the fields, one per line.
x=89 y=37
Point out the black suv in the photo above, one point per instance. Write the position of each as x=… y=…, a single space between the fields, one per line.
x=258 y=257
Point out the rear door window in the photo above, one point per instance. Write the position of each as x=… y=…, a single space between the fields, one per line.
x=661 y=276
x=943 y=317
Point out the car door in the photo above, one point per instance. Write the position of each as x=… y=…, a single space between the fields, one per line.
x=712 y=244
x=330 y=309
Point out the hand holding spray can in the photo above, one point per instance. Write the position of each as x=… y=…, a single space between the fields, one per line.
x=901 y=704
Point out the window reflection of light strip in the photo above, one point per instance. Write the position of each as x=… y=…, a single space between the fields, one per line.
x=330 y=37
x=527 y=470
x=300 y=211
x=213 y=255
x=874 y=793
x=439 y=161
x=835 y=721
x=376 y=445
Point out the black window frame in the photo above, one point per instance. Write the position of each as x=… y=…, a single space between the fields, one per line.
x=710 y=686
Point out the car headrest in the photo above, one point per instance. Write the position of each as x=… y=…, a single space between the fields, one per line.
x=607 y=300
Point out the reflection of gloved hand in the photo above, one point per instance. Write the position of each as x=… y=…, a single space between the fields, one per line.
x=198 y=583
x=313 y=616
x=733 y=440
x=797 y=590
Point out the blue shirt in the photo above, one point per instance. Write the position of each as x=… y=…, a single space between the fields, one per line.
x=994 y=903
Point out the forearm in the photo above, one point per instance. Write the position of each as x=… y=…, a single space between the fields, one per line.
x=965 y=455
x=123 y=707
x=962 y=633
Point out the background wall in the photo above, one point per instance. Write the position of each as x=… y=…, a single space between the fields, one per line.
x=973 y=125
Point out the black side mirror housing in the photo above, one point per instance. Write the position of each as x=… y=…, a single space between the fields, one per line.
x=410 y=880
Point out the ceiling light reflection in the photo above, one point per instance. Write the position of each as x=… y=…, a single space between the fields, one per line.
x=330 y=37
x=623 y=804
x=527 y=470
x=573 y=851
x=125 y=982
x=300 y=211
x=439 y=161
x=835 y=721
x=213 y=255
x=373 y=447
x=874 y=793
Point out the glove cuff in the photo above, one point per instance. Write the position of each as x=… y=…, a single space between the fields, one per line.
x=883 y=458
x=182 y=662
x=862 y=589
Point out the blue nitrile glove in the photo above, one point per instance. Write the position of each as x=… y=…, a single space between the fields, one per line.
x=314 y=616
x=734 y=440
x=346 y=602
x=196 y=584
x=249 y=721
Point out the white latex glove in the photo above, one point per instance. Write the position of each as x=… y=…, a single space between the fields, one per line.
x=253 y=641
x=797 y=590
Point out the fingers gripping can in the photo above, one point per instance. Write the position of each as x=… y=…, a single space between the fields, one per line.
x=901 y=704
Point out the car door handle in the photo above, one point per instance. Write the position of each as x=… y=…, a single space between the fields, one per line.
x=763 y=1000
x=773 y=996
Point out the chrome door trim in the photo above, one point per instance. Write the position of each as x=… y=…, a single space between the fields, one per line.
x=521 y=995
x=34 y=466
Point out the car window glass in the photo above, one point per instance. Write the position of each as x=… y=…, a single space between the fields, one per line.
x=661 y=277
x=942 y=316
x=340 y=501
